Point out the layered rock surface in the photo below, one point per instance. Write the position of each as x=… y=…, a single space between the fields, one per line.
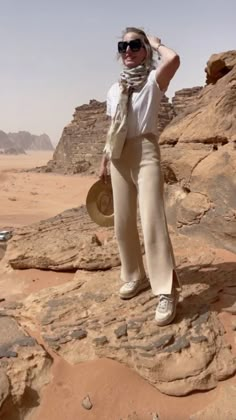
x=202 y=163
x=211 y=117
x=67 y=242
x=24 y=368
x=85 y=319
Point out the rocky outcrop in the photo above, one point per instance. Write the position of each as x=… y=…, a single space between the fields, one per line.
x=219 y=65
x=67 y=242
x=24 y=368
x=184 y=99
x=82 y=141
x=199 y=151
x=211 y=118
x=85 y=319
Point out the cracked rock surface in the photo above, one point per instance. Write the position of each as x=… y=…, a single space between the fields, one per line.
x=24 y=370
x=85 y=319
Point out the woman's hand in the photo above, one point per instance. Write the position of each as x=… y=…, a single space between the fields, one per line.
x=155 y=42
x=104 y=173
x=169 y=64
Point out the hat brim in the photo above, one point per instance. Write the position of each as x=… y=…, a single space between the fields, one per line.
x=99 y=203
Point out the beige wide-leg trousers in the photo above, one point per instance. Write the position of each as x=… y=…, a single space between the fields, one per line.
x=137 y=175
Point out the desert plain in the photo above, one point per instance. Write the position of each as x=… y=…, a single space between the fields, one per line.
x=116 y=391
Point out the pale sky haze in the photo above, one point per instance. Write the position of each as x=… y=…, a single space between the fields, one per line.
x=58 y=54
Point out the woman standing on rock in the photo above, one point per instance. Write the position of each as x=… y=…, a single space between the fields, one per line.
x=133 y=150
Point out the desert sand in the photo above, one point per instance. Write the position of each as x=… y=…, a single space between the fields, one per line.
x=116 y=391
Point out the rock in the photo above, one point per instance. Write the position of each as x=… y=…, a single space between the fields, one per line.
x=185 y=98
x=24 y=369
x=33 y=246
x=219 y=65
x=210 y=119
x=4 y=387
x=198 y=150
x=230 y=309
x=233 y=324
x=86 y=403
x=188 y=355
x=207 y=208
x=121 y=331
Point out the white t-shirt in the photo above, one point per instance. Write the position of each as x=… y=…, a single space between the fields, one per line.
x=143 y=108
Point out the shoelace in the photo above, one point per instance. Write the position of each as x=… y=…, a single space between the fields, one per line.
x=130 y=284
x=163 y=302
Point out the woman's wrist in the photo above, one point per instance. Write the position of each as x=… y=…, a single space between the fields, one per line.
x=155 y=42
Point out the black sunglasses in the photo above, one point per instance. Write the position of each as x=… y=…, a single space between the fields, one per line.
x=135 y=45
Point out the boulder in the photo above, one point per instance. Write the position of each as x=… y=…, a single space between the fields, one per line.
x=66 y=242
x=210 y=119
x=198 y=148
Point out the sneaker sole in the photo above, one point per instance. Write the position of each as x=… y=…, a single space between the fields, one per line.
x=140 y=289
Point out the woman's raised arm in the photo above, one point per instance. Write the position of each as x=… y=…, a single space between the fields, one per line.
x=170 y=62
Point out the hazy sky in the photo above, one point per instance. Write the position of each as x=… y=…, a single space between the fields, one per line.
x=58 y=54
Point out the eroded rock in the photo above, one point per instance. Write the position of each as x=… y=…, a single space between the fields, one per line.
x=67 y=242
x=189 y=355
x=24 y=370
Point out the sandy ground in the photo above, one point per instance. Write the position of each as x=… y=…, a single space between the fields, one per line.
x=27 y=197
x=115 y=391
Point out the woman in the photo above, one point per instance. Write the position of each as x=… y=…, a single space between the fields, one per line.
x=132 y=148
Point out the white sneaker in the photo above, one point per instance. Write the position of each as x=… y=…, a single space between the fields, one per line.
x=166 y=309
x=132 y=288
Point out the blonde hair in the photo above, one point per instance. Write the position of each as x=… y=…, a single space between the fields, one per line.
x=149 y=59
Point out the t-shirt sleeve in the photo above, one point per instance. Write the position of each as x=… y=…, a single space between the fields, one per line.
x=153 y=79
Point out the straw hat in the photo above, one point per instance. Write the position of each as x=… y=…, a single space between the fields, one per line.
x=99 y=203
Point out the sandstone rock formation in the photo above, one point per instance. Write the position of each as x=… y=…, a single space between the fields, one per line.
x=219 y=65
x=67 y=242
x=84 y=319
x=198 y=150
x=211 y=118
x=184 y=98
x=24 y=369
x=80 y=147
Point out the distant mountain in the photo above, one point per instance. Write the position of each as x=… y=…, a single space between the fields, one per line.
x=5 y=141
x=28 y=141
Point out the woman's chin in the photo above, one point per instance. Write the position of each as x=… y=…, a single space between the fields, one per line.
x=130 y=64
